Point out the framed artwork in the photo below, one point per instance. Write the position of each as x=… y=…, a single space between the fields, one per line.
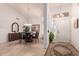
x=36 y=27
x=76 y=23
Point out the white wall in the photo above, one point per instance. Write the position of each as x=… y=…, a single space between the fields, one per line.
x=75 y=32
x=7 y=17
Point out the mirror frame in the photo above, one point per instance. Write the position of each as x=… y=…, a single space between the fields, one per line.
x=17 y=27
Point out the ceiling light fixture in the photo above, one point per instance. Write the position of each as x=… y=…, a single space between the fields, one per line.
x=60 y=13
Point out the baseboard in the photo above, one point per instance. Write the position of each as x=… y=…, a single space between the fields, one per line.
x=47 y=48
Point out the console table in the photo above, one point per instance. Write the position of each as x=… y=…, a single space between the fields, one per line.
x=14 y=36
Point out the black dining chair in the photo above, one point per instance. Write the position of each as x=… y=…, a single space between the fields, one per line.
x=35 y=36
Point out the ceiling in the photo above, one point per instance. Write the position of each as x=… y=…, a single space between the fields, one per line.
x=35 y=9
x=28 y=9
x=58 y=5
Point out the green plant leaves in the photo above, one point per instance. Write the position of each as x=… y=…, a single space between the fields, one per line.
x=51 y=37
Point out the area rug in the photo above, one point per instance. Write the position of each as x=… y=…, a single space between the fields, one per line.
x=51 y=52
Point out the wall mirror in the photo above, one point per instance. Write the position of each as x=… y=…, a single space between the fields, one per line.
x=15 y=27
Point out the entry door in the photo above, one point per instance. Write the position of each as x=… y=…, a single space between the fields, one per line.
x=62 y=30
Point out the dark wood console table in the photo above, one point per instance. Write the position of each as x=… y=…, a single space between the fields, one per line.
x=14 y=36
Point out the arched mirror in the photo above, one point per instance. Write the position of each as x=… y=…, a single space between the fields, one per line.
x=15 y=27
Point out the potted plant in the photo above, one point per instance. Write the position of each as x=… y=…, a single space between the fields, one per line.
x=26 y=29
x=51 y=37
